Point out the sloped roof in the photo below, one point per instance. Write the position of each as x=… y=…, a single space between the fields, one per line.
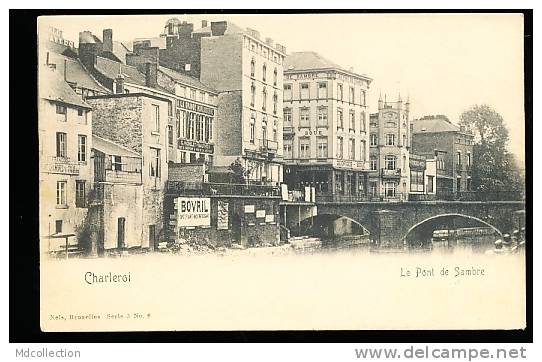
x=433 y=125
x=75 y=73
x=120 y=50
x=185 y=79
x=60 y=49
x=310 y=60
x=111 y=70
x=111 y=148
x=53 y=87
x=307 y=61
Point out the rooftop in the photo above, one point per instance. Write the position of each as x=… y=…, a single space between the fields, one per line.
x=310 y=60
x=185 y=79
x=75 y=73
x=111 y=148
x=53 y=87
x=111 y=69
x=434 y=125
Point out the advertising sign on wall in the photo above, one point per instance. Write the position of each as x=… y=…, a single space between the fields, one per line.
x=193 y=211
x=223 y=216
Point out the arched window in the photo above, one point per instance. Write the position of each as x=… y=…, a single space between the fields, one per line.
x=275 y=103
x=252 y=67
x=275 y=74
x=264 y=72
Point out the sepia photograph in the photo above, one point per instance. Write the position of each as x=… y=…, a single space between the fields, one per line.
x=264 y=172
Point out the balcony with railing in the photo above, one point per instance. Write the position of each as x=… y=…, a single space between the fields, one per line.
x=222 y=189
x=384 y=172
x=269 y=146
x=61 y=165
x=117 y=169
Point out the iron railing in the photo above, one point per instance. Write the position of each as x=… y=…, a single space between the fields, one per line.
x=220 y=189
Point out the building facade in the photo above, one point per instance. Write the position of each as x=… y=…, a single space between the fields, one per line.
x=117 y=196
x=390 y=141
x=325 y=131
x=451 y=146
x=247 y=72
x=139 y=121
x=65 y=178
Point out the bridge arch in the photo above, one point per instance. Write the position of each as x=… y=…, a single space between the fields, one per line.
x=449 y=215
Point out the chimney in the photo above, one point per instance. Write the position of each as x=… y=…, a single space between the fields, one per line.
x=108 y=40
x=204 y=23
x=185 y=30
x=151 y=75
x=65 y=70
x=218 y=28
x=119 y=84
x=88 y=49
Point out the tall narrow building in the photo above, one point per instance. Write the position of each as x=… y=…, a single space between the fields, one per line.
x=325 y=131
x=390 y=140
x=247 y=72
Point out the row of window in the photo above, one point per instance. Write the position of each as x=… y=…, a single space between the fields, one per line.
x=441 y=163
x=264 y=72
x=62 y=194
x=196 y=95
x=390 y=139
x=274 y=133
x=192 y=126
x=322 y=148
x=262 y=50
x=322 y=120
x=390 y=162
x=264 y=98
x=62 y=146
x=62 y=114
x=322 y=92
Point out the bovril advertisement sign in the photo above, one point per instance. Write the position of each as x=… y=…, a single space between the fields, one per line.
x=193 y=211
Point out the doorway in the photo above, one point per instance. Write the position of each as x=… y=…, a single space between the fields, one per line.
x=121 y=224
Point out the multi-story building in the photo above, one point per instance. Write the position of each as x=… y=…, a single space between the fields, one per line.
x=247 y=72
x=138 y=121
x=65 y=140
x=451 y=146
x=190 y=127
x=325 y=126
x=390 y=140
x=118 y=194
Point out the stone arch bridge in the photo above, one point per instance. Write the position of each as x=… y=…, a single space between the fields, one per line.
x=390 y=223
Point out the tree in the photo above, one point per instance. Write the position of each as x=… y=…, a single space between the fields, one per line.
x=240 y=174
x=494 y=168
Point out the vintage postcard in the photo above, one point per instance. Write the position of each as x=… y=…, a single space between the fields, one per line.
x=282 y=172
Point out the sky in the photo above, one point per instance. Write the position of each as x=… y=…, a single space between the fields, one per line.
x=444 y=63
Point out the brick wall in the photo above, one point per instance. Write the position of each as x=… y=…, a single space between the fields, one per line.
x=186 y=172
x=221 y=62
x=243 y=228
x=181 y=51
x=118 y=120
x=229 y=124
